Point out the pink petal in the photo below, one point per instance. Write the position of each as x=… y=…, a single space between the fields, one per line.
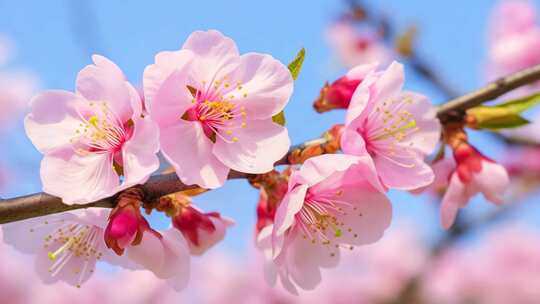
x=28 y=235
x=155 y=74
x=212 y=52
x=455 y=197
x=317 y=169
x=140 y=152
x=370 y=218
x=176 y=260
x=362 y=70
x=428 y=135
x=284 y=218
x=149 y=254
x=188 y=149
x=360 y=100
x=171 y=100
x=493 y=181
x=265 y=85
x=78 y=179
x=389 y=83
x=403 y=172
x=264 y=241
x=260 y=144
x=53 y=112
x=352 y=142
x=104 y=81
x=209 y=239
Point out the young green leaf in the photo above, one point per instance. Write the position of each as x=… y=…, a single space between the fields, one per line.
x=294 y=67
x=520 y=105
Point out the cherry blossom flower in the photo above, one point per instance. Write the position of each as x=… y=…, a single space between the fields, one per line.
x=338 y=94
x=201 y=230
x=514 y=35
x=95 y=141
x=354 y=47
x=492 y=270
x=214 y=108
x=68 y=246
x=474 y=173
x=333 y=202
x=396 y=129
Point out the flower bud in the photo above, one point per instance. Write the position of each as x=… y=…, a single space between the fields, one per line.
x=201 y=230
x=336 y=95
x=126 y=223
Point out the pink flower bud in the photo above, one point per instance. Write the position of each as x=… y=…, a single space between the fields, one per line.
x=126 y=227
x=336 y=95
x=202 y=230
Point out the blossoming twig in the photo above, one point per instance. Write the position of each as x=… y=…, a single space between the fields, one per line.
x=39 y=204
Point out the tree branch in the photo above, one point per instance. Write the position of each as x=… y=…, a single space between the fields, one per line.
x=489 y=92
x=39 y=204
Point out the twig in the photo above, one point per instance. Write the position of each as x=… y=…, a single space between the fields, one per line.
x=489 y=92
x=39 y=204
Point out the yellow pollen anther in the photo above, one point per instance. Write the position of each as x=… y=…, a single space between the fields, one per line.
x=235 y=139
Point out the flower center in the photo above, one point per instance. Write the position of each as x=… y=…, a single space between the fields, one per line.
x=216 y=108
x=72 y=244
x=101 y=131
x=321 y=220
x=389 y=125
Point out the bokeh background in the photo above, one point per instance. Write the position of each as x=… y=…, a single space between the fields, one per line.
x=52 y=40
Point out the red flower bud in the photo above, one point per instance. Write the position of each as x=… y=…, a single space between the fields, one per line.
x=336 y=95
x=126 y=227
x=202 y=230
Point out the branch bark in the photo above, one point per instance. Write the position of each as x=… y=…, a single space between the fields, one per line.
x=39 y=204
x=489 y=92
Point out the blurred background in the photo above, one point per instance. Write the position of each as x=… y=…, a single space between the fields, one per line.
x=43 y=44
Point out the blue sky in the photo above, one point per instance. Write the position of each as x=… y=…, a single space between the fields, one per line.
x=55 y=38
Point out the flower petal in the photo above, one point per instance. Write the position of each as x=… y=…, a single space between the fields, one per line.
x=156 y=74
x=78 y=179
x=264 y=85
x=455 y=197
x=403 y=172
x=171 y=100
x=53 y=112
x=290 y=205
x=188 y=149
x=260 y=144
x=140 y=152
x=104 y=81
x=212 y=51
x=493 y=181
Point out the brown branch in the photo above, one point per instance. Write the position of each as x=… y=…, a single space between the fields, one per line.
x=40 y=204
x=489 y=92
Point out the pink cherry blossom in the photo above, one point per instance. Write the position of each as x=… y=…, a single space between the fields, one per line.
x=396 y=129
x=502 y=267
x=354 y=47
x=514 y=35
x=69 y=245
x=333 y=202
x=473 y=174
x=95 y=141
x=338 y=94
x=214 y=108
x=201 y=230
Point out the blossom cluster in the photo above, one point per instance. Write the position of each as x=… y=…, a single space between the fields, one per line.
x=210 y=112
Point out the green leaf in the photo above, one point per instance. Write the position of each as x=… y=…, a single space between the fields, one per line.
x=520 y=105
x=504 y=122
x=294 y=67
x=279 y=118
